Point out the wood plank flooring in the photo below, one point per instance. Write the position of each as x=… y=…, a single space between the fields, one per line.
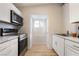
x=40 y=50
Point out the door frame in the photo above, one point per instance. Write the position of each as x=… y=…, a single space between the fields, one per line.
x=31 y=28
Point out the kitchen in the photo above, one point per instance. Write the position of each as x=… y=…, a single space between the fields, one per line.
x=12 y=40
x=61 y=29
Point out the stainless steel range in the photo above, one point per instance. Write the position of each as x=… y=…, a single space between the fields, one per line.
x=22 y=43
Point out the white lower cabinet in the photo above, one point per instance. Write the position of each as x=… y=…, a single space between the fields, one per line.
x=70 y=52
x=65 y=47
x=9 y=48
x=71 y=48
x=54 y=43
x=10 y=51
x=58 y=45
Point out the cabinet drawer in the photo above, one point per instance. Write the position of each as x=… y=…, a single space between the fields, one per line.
x=72 y=45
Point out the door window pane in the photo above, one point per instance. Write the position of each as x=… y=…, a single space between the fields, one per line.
x=36 y=24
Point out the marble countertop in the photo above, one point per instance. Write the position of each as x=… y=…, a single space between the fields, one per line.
x=7 y=38
x=74 y=39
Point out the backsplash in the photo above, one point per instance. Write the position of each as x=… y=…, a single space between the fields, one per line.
x=21 y=30
x=77 y=27
x=74 y=27
x=5 y=25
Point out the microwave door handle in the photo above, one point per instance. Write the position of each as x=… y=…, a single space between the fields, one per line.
x=15 y=21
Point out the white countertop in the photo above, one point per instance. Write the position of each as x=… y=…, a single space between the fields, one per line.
x=6 y=38
x=74 y=39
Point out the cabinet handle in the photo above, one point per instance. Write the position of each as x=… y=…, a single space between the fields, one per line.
x=76 y=46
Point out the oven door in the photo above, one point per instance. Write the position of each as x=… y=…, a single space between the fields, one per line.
x=22 y=44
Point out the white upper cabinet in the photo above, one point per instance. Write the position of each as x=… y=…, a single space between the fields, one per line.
x=71 y=12
x=5 y=11
x=74 y=12
x=16 y=10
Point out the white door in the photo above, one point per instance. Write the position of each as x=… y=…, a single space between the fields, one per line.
x=39 y=29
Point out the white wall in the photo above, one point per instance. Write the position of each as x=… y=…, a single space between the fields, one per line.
x=5 y=25
x=54 y=12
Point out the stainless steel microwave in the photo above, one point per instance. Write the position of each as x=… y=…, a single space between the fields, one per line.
x=15 y=18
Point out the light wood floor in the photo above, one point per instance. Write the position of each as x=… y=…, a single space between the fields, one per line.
x=40 y=50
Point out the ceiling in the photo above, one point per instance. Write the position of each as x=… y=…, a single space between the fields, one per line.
x=27 y=4
x=32 y=4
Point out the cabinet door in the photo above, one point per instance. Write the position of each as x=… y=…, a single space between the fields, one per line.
x=74 y=12
x=71 y=12
x=16 y=10
x=60 y=46
x=70 y=52
x=54 y=42
x=71 y=48
x=10 y=48
x=14 y=49
x=5 y=12
x=9 y=51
